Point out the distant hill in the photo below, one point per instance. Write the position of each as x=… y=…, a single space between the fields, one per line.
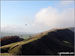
x=46 y=43
x=22 y=35
x=10 y=39
x=72 y=28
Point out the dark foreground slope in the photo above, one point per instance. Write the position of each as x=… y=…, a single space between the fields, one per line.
x=50 y=42
x=10 y=39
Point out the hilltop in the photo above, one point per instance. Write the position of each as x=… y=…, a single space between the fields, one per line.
x=45 y=43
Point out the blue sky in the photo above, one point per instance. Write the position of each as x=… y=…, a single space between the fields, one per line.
x=19 y=13
x=13 y=12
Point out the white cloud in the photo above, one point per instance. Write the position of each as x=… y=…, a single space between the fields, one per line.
x=46 y=19
x=50 y=17
x=66 y=2
x=47 y=16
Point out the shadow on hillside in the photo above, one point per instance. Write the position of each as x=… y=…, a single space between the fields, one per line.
x=61 y=40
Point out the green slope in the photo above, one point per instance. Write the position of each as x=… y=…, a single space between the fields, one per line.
x=44 y=42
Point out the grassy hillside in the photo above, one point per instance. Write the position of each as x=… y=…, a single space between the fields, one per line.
x=48 y=42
